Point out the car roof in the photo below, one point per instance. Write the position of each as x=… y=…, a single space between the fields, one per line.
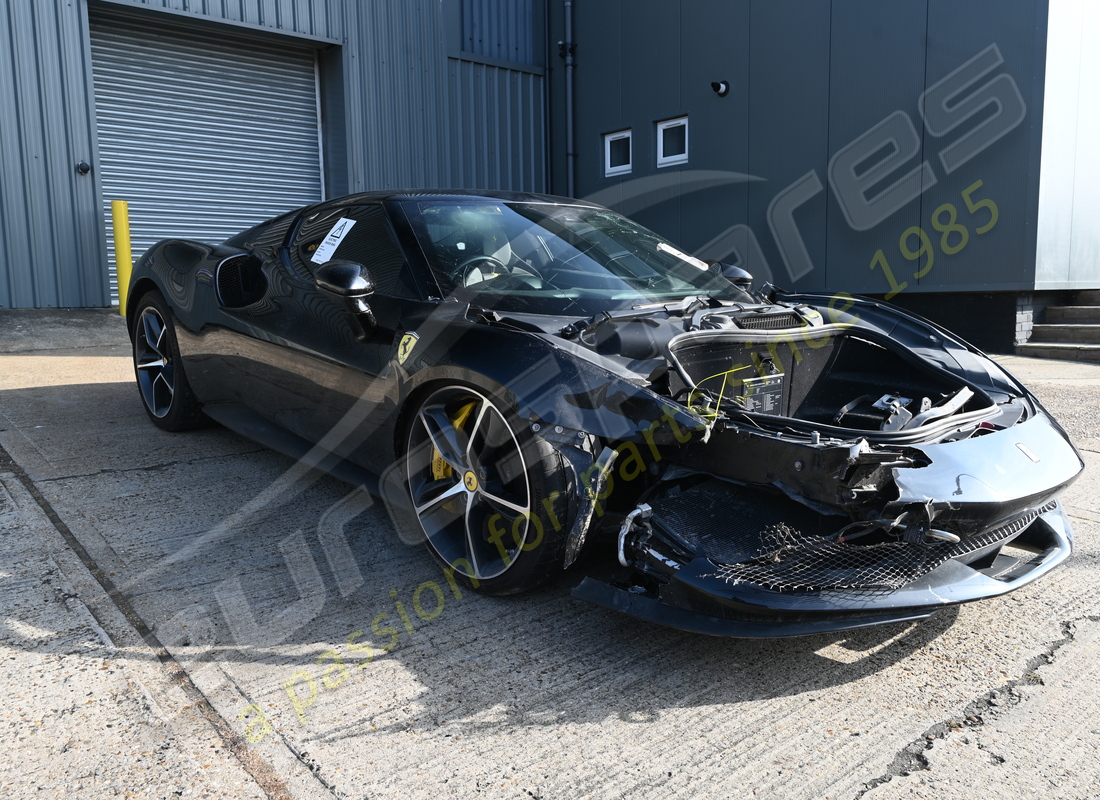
x=453 y=194
x=408 y=194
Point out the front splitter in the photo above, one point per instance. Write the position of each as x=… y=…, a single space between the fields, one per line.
x=695 y=597
x=651 y=609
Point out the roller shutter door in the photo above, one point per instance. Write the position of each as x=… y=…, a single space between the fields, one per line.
x=201 y=133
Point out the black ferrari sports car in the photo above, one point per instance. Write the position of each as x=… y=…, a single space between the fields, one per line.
x=524 y=377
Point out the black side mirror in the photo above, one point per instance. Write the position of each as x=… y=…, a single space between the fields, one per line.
x=740 y=278
x=350 y=285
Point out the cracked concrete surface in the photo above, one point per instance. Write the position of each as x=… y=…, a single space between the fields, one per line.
x=538 y=696
x=1040 y=738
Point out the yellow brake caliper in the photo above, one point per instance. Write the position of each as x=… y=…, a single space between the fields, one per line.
x=440 y=468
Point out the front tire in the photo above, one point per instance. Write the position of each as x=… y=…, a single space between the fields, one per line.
x=491 y=498
x=162 y=384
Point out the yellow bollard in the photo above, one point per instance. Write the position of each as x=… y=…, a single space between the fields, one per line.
x=124 y=258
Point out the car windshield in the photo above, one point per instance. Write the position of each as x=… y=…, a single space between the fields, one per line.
x=555 y=259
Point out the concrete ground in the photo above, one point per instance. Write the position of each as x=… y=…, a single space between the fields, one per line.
x=187 y=615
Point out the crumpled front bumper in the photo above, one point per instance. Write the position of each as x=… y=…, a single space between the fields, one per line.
x=1008 y=479
x=697 y=599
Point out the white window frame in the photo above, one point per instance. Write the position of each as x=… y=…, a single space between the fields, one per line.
x=623 y=169
x=678 y=158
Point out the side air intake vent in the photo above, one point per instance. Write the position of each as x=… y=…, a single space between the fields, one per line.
x=241 y=281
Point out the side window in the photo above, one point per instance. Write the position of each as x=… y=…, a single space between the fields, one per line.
x=355 y=233
x=616 y=153
x=672 y=142
x=311 y=232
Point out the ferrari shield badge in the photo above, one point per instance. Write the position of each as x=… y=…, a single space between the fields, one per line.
x=405 y=348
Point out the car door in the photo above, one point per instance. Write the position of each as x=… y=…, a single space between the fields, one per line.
x=314 y=367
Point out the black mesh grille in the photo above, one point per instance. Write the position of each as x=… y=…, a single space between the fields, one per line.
x=777 y=544
x=769 y=322
x=231 y=282
x=240 y=281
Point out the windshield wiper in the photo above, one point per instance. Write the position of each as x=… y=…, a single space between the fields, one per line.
x=585 y=328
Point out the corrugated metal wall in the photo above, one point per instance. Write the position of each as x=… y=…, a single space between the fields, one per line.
x=498 y=132
x=453 y=122
x=317 y=19
x=396 y=78
x=501 y=29
x=411 y=115
x=51 y=238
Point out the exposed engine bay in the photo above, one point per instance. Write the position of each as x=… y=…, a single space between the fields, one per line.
x=833 y=465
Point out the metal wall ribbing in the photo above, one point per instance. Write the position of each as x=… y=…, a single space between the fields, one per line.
x=497 y=128
x=501 y=29
x=51 y=239
x=429 y=120
x=395 y=76
x=317 y=19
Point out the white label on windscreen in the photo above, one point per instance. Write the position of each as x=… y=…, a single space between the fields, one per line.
x=326 y=249
x=683 y=256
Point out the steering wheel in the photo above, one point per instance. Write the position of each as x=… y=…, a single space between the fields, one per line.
x=465 y=269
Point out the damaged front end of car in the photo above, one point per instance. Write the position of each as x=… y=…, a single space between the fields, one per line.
x=850 y=469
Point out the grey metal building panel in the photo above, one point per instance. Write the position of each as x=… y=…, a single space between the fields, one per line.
x=999 y=146
x=877 y=70
x=317 y=19
x=715 y=45
x=396 y=106
x=650 y=85
x=497 y=129
x=599 y=101
x=501 y=29
x=394 y=93
x=201 y=134
x=831 y=87
x=417 y=118
x=650 y=78
x=788 y=114
x=50 y=242
x=642 y=63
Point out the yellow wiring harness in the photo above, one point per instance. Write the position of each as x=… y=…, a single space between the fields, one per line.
x=705 y=411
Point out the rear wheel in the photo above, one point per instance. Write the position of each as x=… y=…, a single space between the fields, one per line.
x=491 y=498
x=163 y=386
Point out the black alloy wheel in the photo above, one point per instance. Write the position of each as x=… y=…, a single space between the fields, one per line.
x=491 y=498
x=165 y=393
